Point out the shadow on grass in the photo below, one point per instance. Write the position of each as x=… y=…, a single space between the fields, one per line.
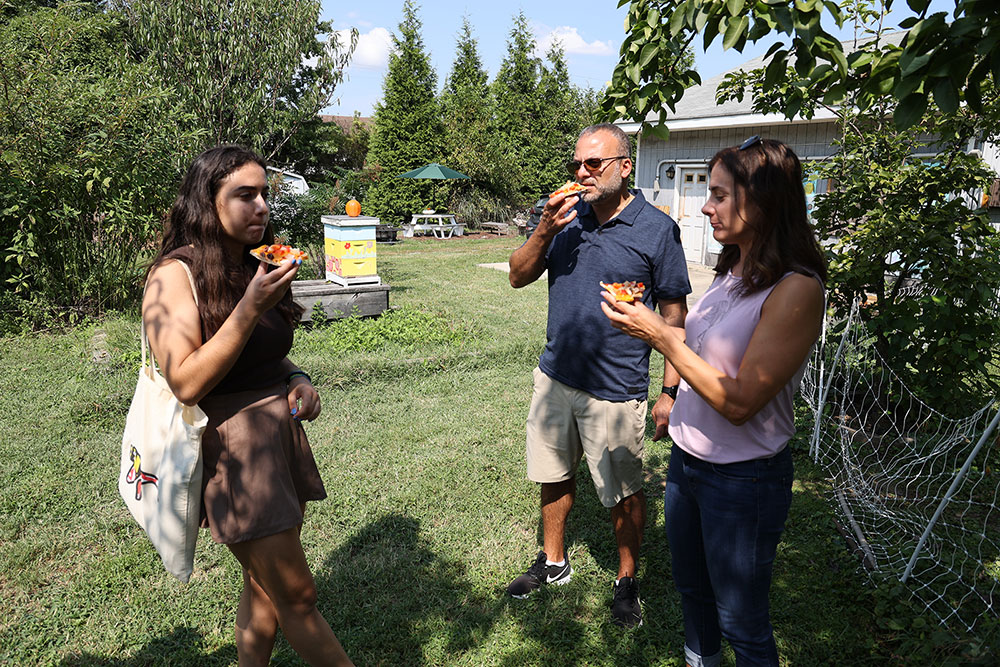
x=572 y=624
x=393 y=601
x=183 y=646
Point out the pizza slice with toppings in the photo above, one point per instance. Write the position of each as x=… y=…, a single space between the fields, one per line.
x=626 y=291
x=570 y=188
x=276 y=253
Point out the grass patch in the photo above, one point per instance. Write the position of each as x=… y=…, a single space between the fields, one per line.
x=405 y=328
x=429 y=514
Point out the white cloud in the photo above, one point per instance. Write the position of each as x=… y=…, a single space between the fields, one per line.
x=572 y=42
x=372 y=51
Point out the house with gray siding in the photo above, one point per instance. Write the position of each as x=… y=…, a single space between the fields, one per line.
x=673 y=175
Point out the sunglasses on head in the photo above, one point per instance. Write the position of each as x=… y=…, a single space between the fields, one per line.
x=591 y=163
x=752 y=141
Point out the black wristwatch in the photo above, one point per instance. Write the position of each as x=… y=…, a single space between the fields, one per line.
x=670 y=391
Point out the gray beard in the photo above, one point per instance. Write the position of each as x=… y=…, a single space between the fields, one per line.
x=605 y=192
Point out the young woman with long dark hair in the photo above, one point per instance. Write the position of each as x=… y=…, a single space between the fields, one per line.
x=224 y=346
x=741 y=356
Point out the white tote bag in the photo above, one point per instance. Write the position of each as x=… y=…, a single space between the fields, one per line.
x=160 y=476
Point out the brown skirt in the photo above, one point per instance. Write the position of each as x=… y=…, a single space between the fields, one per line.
x=259 y=469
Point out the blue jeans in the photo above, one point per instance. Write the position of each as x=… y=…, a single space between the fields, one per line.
x=723 y=524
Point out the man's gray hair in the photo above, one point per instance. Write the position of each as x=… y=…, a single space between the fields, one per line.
x=624 y=147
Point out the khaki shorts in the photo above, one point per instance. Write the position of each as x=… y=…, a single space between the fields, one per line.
x=564 y=423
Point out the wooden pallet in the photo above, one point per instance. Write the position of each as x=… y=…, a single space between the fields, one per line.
x=338 y=302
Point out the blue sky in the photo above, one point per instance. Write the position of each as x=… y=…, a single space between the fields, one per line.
x=591 y=34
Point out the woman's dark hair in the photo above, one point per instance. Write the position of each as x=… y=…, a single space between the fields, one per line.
x=767 y=176
x=193 y=223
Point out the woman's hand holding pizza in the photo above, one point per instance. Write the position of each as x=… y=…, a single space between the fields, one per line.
x=303 y=399
x=267 y=288
x=635 y=319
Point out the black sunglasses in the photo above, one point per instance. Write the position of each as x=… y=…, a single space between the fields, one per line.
x=752 y=141
x=591 y=163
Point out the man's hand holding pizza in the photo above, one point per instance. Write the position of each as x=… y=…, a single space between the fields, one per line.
x=527 y=263
x=559 y=210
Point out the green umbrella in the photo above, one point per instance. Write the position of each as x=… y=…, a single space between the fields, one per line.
x=433 y=170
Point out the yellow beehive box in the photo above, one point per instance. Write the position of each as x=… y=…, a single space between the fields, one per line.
x=349 y=244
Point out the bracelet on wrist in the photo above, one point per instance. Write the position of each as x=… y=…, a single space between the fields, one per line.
x=295 y=374
x=670 y=391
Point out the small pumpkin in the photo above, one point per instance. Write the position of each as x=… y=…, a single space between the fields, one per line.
x=353 y=208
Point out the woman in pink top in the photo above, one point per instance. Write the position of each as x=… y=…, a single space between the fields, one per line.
x=740 y=356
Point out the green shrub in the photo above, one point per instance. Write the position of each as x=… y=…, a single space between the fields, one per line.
x=404 y=328
x=910 y=236
x=90 y=156
x=297 y=218
x=475 y=205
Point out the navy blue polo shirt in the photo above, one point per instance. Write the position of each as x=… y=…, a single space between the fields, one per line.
x=582 y=349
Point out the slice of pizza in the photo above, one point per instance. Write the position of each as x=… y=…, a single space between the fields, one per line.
x=626 y=291
x=277 y=253
x=570 y=188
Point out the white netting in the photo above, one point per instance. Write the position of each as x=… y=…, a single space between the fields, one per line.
x=909 y=483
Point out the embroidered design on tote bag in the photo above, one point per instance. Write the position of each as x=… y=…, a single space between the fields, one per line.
x=138 y=476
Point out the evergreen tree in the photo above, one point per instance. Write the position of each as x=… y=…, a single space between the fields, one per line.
x=467 y=110
x=562 y=116
x=518 y=126
x=407 y=131
x=466 y=107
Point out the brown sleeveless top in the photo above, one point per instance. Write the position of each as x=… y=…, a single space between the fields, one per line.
x=259 y=364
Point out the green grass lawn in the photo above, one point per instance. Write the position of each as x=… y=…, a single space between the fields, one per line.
x=429 y=514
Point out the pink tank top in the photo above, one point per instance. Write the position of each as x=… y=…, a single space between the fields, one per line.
x=719 y=328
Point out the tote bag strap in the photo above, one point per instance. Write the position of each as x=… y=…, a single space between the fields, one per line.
x=145 y=340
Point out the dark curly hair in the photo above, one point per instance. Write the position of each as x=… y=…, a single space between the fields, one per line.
x=193 y=223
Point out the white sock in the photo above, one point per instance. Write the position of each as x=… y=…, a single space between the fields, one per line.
x=559 y=564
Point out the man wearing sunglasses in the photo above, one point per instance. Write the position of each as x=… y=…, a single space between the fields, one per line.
x=591 y=384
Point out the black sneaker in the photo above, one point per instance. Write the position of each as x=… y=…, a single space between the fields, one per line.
x=538 y=575
x=625 y=609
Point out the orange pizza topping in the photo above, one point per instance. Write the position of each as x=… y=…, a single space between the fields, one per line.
x=569 y=188
x=626 y=291
x=276 y=253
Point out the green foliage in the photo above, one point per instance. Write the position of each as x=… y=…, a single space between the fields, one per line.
x=90 y=153
x=249 y=72
x=515 y=89
x=477 y=204
x=528 y=116
x=296 y=217
x=320 y=150
x=354 y=184
x=562 y=116
x=915 y=640
x=407 y=133
x=656 y=64
x=940 y=61
x=538 y=119
x=911 y=232
x=402 y=328
x=467 y=110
